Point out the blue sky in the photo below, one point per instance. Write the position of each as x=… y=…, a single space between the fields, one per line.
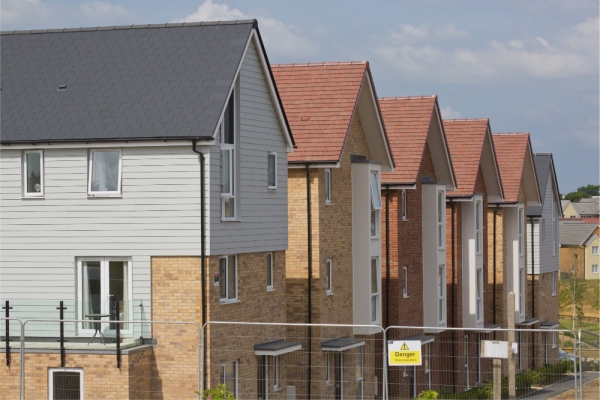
x=529 y=66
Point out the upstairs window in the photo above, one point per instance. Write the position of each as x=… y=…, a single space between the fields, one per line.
x=228 y=160
x=404 y=213
x=441 y=293
x=554 y=229
x=104 y=177
x=479 y=295
x=478 y=234
x=33 y=173
x=554 y=283
x=374 y=290
x=272 y=171
x=522 y=291
x=328 y=186
x=405 y=281
x=328 y=277
x=595 y=250
x=228 y=278
x=375 y=203
x=521 y=228
x=542 y=283
x=270 y=271
x=441 y=219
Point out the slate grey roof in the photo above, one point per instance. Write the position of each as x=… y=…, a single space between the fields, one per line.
x=587 y=207
x=564 y=204
x=147 y=82
x=544 y=168
x=575 y=233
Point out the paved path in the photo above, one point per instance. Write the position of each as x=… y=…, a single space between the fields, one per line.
x=564 y=390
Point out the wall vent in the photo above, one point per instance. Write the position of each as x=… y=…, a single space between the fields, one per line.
x=62 y=88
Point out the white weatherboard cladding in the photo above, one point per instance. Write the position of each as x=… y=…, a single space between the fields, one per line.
x=433 y=257
x=471 y=261
x=535 y=244
x=158 y=214
x=363 y=248
x=513 y=260
x=547 y=261
x=261 y=213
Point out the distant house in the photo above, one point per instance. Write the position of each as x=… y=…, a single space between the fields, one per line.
x=413 y=227
x=568 y=210
x=144 y=166
x=334 y=254
x=543 y=256
x=579 y=254
x=588 y=209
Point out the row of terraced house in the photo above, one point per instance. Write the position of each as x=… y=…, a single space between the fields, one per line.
x=172 y=170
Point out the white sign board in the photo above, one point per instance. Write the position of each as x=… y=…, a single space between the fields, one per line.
x=494 y=349
x=404 y=352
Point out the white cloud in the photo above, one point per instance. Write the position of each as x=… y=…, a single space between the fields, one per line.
x=280 y=39
x=417 y=50
x=100 y=9
x=449 y=113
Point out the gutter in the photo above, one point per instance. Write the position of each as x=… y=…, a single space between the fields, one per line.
x=310 y=273
x=387 y=256
x=453 y=298
x=494 y=262
x=202 y=247
x=532 y=291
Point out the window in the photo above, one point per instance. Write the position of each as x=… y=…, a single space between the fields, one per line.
x=478 y=352
x=105 y=173
x=328 y=186
x=263 y=378
x=229 y=374
x=595 y=250
x=405 y=281
x=270 y=271
x=276 y=383
x=479 y=295
x=542 y=230
x=521 y=242
x=542 y=283
x=594 y=268
x=554 y=283
x=65 y=383
x=427 y=364
x=375 y=203
x=228 y=160
x=478 y=218
x=374 y=290
x=272 y=171
x=466 y=356
x=228 y=278
x=441 y=218
x=328 y=360
x=359 y=358
x=441 y=291
x=33 y=173
x=554 y=229
x=404 y=214
x=103 y=282
x=521 y=290
x=328 y=277
x=554 y=342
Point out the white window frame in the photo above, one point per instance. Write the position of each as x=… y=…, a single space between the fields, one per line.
x=441 y=219
x=479 y=294
x=230 y=149
x=466 y=355
x=427 y=363
x=522 y=290
x=375 y=295
x=594 y=250
x=521 y=229
x=272 y=156
x=276 y=362
x=376 y=204
x=478 y=227
x=403 y=205
x=554 y=283
x=223 y=280
x=328 y=367
x=25 y=193
x=327 y=180
x=126 y=331
x=554 y=341
x=360 y=379
x=594 y=268
x=328 y=276
x=51 y=372
x=235 y=378
x=554 y=229
x=113 y=193
x=542 y=283
x=405 y=282
x=270 y=280
x=441 y=293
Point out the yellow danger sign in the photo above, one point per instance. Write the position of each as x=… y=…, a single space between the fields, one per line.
x=404 y=352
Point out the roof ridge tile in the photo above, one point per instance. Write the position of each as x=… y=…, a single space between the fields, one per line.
x=319 y=64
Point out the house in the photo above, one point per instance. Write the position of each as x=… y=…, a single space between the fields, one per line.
x=588 y=209
x=413 y=226
x=508 y=241
x=543 y=258
x=478 y=184
x=579 y=245
x=145 y=167
x=334 y=253
x=568 y=210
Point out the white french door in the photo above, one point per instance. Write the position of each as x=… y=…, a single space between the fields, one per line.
x=102 y=284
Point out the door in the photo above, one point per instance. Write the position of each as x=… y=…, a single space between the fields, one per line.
x=339 y=388
x=104 y=283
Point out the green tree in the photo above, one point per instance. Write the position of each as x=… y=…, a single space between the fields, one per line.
x=583 y=192
x=572 y=290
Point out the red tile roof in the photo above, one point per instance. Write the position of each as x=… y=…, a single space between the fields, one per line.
x=407 y=121
x=319 y=100
x=511 y=149
x=465 y=142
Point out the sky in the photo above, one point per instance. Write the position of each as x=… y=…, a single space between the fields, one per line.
x=529 y=66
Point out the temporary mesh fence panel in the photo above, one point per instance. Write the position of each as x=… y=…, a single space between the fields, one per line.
x=290 y=361
x=590 y=351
